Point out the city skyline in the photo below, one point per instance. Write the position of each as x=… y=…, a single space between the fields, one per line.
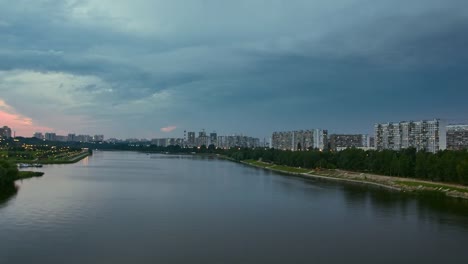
x=154 y=69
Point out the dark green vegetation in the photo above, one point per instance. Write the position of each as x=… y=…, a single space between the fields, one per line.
x=29 y=174
x=38 y=151
x=10 y=173
x=445 y=166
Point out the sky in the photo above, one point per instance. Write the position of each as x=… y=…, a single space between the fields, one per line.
x=153 y=68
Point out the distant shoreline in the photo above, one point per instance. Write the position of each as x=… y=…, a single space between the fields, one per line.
x=387 y=182
x=72 y=160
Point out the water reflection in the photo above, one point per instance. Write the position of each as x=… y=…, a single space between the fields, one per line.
x=7 y=193
x=432 y=206
x=169 y=208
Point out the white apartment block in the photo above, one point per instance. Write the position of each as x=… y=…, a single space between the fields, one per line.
x=429 y=135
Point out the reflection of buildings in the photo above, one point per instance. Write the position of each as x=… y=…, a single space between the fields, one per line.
x=5 y=132
x=300 y=140
x=457 y=137
x=422 y=135
x=340 y=142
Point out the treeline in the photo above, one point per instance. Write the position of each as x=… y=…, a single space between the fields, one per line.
x=8 y=172
x=445 y=166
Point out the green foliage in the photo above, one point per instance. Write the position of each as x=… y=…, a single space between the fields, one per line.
x=444 y=166
x=8 y=172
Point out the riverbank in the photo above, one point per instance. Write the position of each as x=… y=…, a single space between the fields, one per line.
x=69 y=160
x=391 y=183
x=22 y=175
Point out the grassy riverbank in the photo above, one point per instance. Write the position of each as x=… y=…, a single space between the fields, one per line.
x=28 y=174
x=68 y=159
x=393 y=183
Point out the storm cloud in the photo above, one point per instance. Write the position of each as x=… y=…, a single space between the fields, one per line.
x=129 y=68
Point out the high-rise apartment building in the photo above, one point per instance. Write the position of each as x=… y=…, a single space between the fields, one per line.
x=5 y=132
x=341 y=142
x=38 y=135
x=300 y=140
x=50 y=136
x=214 y=139
x=98 y=138
x=71 y=137
x=202 y=139
x=191 y=139
x=457 y=137
x=427 y=135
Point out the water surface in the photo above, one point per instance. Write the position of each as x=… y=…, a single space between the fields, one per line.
x=125 y=207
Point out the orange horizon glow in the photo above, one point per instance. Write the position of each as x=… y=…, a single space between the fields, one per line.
x=22 y=125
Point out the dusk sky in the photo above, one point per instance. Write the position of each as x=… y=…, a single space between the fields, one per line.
x=147 y=68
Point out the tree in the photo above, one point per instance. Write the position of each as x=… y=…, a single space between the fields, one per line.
x=8 y=172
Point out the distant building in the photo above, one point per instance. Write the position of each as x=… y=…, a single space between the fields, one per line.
x=164 y=142
x=113 y=140
x=457 y=137
x=98 y=138
x=202 y=139
x=71 y=137
x=238 y=141
x=300 y=140
x=38 y=135
x=422 y=135
x=61 y=138
x=191 y=139
x=50 y=136
x=214 y=139
x=84 y=138
x=340 y=141
x=5 y=132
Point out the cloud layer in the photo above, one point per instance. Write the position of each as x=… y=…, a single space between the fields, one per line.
x=127 y=69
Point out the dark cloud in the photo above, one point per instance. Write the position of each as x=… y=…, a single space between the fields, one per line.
x=266 y=64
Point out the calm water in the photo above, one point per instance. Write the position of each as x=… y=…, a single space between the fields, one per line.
x=123 y=207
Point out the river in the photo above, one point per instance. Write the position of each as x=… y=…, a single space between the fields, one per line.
x=128 y=207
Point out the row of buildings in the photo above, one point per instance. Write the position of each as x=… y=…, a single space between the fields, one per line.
x=300 y=140
x=191 y=139
x=69 y=138
x=318 y=139
x=429 y=135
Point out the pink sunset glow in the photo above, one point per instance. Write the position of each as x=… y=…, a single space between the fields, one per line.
x=24 y=126
x=168 y=129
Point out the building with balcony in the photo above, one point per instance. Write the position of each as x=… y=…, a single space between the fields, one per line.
x=340 y=142
x=457 y=137
x=300 y=140
x=428 y=135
